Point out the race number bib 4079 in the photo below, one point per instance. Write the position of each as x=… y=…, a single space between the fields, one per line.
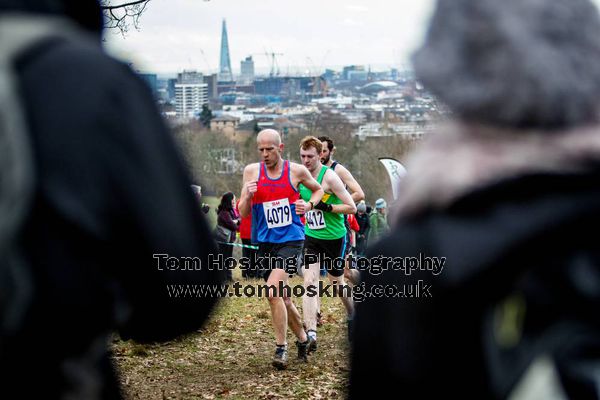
x=315 y=219
x=277 y=213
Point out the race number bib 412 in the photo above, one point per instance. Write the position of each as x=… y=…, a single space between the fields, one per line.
x=277 y=213
x=315 y=219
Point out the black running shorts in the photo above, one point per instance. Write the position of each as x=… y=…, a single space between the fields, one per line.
x=330 y=252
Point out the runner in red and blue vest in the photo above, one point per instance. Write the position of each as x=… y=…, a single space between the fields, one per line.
x=270 y=193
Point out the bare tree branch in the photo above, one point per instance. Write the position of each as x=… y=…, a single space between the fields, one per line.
x=132 y=3
x=121 y=16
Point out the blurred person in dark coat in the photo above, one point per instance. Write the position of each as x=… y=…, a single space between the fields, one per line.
x=364 y=223
x=507 y=196
x=228 y=222
x=197 y=189
x=110 y=194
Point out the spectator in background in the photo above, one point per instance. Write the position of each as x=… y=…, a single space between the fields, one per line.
x=227 y=226
x=247 y=252
x=505 y=196
x=378 y=221
x=198 y=192
x=364 y=224
x=350 y=272
x=353 y=225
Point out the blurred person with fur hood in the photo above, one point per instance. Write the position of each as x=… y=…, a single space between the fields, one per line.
x=507 y=197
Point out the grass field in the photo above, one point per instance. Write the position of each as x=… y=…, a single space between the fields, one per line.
x=230 y=358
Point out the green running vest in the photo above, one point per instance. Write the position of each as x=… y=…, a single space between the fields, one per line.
x=320 y=224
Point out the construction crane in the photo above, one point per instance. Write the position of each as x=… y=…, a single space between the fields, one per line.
x=319 y=83
x=206 y=61
x=273 y=60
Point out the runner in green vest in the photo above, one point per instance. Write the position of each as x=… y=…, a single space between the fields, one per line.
x=325 y=234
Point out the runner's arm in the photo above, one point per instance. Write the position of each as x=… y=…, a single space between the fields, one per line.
x=307 y=180
x=348 y=180
x=337 y=187
x=248 y=189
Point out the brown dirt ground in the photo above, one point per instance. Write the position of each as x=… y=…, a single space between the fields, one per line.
x=230 y=358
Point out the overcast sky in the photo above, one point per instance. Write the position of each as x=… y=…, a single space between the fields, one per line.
x=186 y=34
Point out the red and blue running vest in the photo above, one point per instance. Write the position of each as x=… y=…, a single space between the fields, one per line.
x=274 y=218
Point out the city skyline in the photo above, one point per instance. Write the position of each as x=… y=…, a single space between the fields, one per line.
x=186 y=34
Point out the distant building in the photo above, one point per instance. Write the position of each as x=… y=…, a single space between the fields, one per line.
x=269 y=85
x=191 y=93
x=163 y=95
x=329 y=74
x=247 y=71
x=379 y=86
x=224 y=123
x=358 y=76
x=211 y=82
x=171 y=88
x=225 y=72
x=297 y=85
x=225 y=88
x=248 y=89
x=289 y=86
x=237 y=110
x=152 y=81
x=285 y=126
x=407 y=130
x=190 y=77
x=346 y=72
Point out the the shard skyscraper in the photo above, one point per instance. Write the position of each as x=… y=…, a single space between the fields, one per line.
x=225 y=73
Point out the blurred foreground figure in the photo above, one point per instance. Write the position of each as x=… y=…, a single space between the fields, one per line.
x=105 y=192
x=509 y=194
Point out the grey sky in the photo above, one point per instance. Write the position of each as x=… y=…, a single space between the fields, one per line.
x=185 y=34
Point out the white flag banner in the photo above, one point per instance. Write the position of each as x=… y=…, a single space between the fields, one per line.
x=396 y=171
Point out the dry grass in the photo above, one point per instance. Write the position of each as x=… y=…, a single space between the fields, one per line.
x=231 y=358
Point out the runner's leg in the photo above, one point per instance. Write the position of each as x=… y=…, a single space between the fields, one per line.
x=278 y=309
x=310 y=303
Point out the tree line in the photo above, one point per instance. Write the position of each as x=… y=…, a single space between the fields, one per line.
x=202 y=149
